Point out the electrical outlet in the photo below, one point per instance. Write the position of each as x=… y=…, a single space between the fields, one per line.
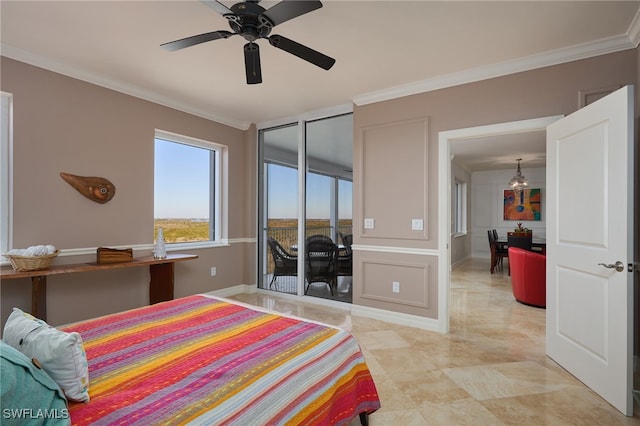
x=395 y=287
x=417 y=224
x=368 y=223
x=214 y=271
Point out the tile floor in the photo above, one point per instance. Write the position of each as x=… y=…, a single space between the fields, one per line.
x=490 y=370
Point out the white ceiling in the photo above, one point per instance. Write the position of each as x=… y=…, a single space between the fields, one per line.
x=329 y=141
x=382 y=49
x=501 y=151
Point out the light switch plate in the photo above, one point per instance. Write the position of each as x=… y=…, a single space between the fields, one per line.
x=368 y=224
x=417 y=224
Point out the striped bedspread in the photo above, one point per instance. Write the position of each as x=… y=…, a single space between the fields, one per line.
x=203 y=360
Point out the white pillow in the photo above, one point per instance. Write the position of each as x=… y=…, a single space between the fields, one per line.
x=60 y=354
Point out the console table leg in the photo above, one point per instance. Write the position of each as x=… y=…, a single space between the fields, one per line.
x=39 y=297
x=161 y=285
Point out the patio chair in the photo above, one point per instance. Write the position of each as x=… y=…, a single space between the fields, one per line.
x=321 y=262
x=345 y=257
x=285 y=263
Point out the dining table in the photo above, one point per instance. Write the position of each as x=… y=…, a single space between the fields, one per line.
x=536 y=242
x=538 y=245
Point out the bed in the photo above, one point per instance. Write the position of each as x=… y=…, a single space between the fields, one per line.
x=207 y=360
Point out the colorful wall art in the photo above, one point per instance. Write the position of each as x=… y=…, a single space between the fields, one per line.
x=526 y=206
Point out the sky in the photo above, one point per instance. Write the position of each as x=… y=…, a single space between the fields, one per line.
x=283 y=192
x=182 y=187
x=181 y=181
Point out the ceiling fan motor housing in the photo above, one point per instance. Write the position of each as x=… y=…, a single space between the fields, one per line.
x=248 y=21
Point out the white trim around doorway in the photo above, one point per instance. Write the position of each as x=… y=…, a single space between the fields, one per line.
x=444 y=195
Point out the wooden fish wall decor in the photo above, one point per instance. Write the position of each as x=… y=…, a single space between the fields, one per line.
x=94 y=188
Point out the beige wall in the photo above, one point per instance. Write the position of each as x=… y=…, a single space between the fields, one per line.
x=396 y=167
x=636 y=350
x=66 y=125
x=63 y=124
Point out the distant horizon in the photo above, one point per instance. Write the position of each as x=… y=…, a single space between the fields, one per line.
x=181 y=218
x=206 y=219
x=182 y=178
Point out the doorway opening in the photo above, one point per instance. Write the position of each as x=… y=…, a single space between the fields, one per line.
x=445 y=198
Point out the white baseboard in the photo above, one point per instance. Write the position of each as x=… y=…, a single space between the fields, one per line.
x=460 y=262
x=232 y=291
x=424 y=323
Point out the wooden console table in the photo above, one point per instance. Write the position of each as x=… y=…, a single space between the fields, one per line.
x=160 y=285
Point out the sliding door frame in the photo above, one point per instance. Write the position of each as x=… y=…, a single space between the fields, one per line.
x=262 y=250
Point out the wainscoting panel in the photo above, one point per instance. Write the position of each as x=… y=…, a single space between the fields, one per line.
x=394 y=159
x=413 y=276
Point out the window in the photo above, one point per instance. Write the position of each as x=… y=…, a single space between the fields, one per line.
x=6 y=126
x=189 y=190
x=345 y=206
x=460 y=208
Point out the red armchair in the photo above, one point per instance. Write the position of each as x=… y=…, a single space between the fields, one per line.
x=528 y=277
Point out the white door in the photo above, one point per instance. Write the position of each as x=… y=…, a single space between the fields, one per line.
x=589 y=231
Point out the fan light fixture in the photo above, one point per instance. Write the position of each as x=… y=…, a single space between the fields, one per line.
x=518 y=182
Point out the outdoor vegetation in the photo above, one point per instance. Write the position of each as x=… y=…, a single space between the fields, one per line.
x=283 y=230
x=182 y=230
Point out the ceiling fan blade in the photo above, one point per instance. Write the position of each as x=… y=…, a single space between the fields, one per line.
x=197 y=39
x=217 y=6
x=286 y=9
x=252 y=63
x=302 y=52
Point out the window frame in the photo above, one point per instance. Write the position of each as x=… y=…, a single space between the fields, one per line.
x=459 y=224
x=6 y=174
x=218 y=201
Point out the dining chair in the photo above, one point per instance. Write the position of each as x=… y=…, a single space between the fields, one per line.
x=502 y=247
x=493 y=250
x=498 y=251
x=519 y=240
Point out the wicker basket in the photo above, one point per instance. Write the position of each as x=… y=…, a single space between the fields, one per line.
x=31 y=263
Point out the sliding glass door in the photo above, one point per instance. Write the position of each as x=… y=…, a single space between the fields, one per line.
x=328 y=166
x=306 y=181
x=278 y=202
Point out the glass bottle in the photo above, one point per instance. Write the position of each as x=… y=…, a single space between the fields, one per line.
x=160 y=250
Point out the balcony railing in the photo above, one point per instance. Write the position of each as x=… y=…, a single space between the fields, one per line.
x=288 y=237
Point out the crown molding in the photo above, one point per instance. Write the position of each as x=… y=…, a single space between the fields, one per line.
x=128 y=89
x=527 y=63
x=308 y=116
x=634 y=30
x=555 y=57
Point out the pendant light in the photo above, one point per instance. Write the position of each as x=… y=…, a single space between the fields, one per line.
x=518 y=182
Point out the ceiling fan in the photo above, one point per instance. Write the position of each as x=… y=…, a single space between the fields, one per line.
x=253 y=22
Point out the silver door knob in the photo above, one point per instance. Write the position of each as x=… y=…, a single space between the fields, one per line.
x=618 y=266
